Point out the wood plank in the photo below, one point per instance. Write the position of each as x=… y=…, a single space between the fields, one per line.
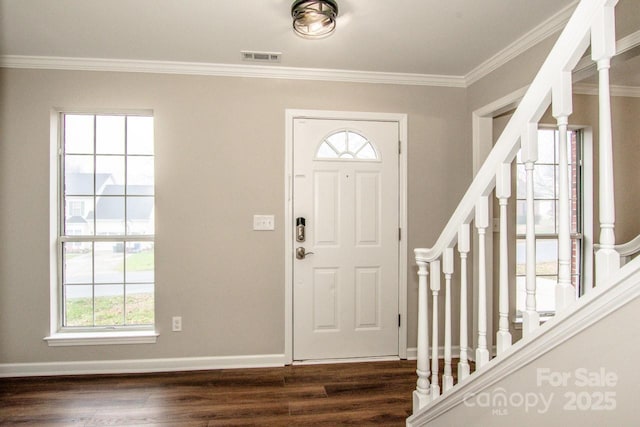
x=328 y=394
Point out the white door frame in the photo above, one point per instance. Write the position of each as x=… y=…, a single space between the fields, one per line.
x=401 y=119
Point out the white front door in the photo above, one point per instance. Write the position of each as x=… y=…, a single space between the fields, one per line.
x=345 y=289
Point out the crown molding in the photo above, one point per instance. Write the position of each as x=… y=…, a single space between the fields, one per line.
x=227 y=70
x=616 y=90
x=549 y=27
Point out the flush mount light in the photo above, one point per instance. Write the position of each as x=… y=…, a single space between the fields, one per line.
x=314 y=19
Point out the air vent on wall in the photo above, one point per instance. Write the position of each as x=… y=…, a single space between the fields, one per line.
x=261 y=56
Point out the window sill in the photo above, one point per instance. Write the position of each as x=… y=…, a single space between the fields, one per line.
x=62 y=339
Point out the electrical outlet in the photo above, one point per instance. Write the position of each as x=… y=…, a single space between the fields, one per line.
x=176 y=324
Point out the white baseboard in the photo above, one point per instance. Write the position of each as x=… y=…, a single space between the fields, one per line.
x=140 y=365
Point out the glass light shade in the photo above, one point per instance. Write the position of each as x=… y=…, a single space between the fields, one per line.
x=314 y=19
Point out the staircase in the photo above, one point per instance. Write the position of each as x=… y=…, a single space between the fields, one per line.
x=617 y=274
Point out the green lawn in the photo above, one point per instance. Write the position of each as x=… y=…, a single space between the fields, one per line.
x=142 y=261
x=109 y=311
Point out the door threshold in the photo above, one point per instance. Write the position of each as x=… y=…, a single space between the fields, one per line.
x=346 y=360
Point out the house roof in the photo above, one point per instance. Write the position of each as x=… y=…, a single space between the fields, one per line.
x=112 y=208
x=78 y=183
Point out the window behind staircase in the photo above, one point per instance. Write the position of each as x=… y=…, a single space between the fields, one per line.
x=546 y=194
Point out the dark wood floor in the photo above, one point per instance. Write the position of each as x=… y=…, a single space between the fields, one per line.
x=336 y=394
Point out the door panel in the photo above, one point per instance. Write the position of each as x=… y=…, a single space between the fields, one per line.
x=345 y=294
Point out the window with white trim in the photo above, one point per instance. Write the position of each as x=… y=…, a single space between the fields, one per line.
x=546 y=219
x=106 y=222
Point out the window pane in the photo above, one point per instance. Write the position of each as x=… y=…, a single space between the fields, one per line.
x=338 y=141
x=140 y=215
x=521 y=217
x=139 y=135
x=367 y=153
x=78 y=262
x=545 y=214
x=78 y=216
x=546 y=146
x=109 y=262
x=108 y=192
x=110 y=175
x=545 y=293
x=140 y=304
x=544 y=183
x=78 y=303
x=356 y=142
x=326 y=152
x=109 y=305
x=78 y=175
x=140 y=262
x=546 y=257
x=110 y=215
x=140 y=175
x=110 y=135
x=78 y=134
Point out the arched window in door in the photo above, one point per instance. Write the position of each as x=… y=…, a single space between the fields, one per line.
x=346 y=145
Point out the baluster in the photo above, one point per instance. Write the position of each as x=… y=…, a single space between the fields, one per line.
x=421 y=395
x=603 y=47
x=447 y=269
x=562 y=108
x=463 y=247
x=435 y=289
x=529 y=154
x=482 y=222
x=503 y=192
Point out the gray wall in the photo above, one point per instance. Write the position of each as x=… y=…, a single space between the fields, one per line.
x=219 y=160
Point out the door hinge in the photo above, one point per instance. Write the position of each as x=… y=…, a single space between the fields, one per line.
x=399 y=233
x=399 y=320
x=399 y=147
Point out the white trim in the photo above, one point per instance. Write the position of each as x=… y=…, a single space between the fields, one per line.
x=549 y=27
x=227 y=70
x=348 y=360
x=616 y=90
x=622 y=288
x=65 y=339
x=401 y=119
x=140 y=365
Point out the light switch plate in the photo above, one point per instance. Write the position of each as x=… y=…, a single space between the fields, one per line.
x=264 y=222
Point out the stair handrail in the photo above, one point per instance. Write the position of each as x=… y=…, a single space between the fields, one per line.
x=625 y=250
x=575 y=38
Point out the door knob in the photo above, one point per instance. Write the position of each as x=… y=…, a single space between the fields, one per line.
x=301 y=253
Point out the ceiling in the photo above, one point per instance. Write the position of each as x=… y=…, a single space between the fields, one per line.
x=423 y=37
x=450 y=37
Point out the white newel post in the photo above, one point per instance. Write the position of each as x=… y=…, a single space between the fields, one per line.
x=529 y=154
x=503 y=192
x=447 y=269
x=603 y=47
x=421 y=395
x=464 y=246
x=562 y=109
x=482 y=223
x=434 y=266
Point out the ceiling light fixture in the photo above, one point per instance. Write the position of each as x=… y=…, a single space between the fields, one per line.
x=314 y=19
